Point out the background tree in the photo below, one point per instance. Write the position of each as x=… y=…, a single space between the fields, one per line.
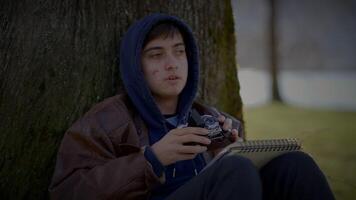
x=273 y=43
x=58 y=58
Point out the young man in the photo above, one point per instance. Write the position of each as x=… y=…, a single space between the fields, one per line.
x=139 y=145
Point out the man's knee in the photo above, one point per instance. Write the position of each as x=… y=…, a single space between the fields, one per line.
x=297 y=162
x=234 y=163
x=296 y=158
x=240 y=174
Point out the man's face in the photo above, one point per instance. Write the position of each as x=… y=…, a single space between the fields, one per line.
x=165 y=66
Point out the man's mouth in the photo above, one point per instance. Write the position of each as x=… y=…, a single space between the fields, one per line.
x=172 y=77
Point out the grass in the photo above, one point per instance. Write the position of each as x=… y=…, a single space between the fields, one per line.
x=329 y=136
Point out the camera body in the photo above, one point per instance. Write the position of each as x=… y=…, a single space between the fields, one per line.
x=219 y=137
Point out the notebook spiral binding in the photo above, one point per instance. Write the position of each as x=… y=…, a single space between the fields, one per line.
x=290 y=144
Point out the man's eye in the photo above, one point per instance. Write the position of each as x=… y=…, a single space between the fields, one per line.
x=155 y=55
x=180 y=51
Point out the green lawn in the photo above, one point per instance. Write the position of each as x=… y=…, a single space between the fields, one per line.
x=329 y=136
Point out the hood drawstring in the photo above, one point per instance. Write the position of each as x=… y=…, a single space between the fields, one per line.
x=174 y=172
x=194 y=166
x=183 y=125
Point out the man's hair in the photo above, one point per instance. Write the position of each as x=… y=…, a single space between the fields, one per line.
x=163 y=29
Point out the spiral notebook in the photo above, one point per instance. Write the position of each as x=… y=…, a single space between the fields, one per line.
x=260 y=152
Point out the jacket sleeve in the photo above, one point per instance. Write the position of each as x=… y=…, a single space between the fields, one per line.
x=90 y=166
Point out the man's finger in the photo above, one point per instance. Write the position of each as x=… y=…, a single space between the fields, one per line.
x=221 y=118
x=235 y=132
x=188 y=138
x=227 y=124
x=191 y=130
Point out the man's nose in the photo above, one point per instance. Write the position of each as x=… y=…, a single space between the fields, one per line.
x=171 y=62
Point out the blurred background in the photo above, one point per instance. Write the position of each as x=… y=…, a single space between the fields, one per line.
x=297 y=72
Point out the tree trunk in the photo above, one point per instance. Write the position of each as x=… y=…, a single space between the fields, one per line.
x=58 y=58
x=273 y=52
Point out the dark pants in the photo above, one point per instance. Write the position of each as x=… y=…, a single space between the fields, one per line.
x=290 y=176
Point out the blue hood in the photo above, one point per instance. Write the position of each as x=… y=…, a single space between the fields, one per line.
x=133 y=78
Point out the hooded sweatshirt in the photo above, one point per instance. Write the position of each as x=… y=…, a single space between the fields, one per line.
x=137 y=89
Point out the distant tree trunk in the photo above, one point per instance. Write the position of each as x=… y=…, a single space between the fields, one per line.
x=58 y=58
x=273 y=52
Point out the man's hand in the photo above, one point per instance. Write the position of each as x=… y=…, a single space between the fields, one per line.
x=171 y=148
x=227 y=126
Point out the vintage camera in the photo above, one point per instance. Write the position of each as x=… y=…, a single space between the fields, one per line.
x=219 y=138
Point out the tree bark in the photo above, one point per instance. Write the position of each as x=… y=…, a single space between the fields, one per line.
x=58 y=58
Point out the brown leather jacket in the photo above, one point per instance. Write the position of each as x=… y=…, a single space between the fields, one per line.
x=101 y=155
